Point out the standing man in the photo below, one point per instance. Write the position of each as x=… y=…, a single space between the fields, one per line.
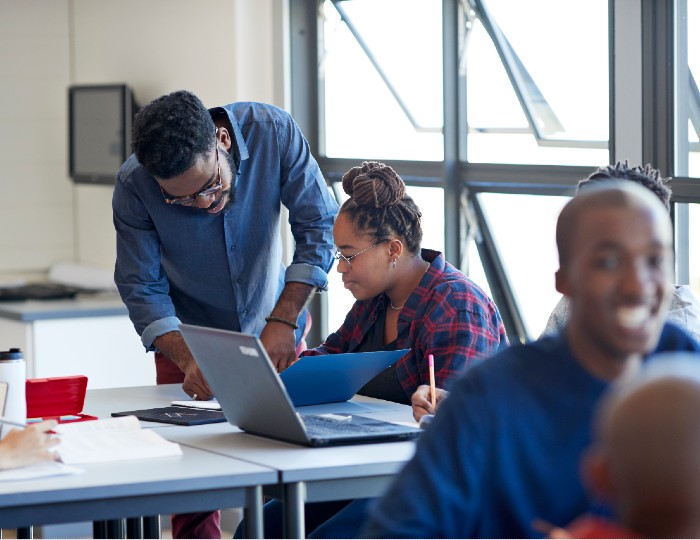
x=503 y=451
x=196 y=210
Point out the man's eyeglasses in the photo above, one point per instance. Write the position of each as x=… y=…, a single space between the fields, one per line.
x=338 y=256
x=215 y=186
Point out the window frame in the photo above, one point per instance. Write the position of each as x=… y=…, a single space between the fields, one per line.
x=642 y=129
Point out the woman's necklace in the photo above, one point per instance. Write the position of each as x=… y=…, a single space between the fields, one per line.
x=399 y=308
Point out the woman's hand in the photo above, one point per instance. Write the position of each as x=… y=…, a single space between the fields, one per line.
x=22 y=447
x=420 y=400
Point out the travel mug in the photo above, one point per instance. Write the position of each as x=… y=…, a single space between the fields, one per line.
x=13 y=372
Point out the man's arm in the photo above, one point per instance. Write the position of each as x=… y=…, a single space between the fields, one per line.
x=278 y=335
x=141 y=282
x=439 y=492
x=312 y=212
x=174 y=347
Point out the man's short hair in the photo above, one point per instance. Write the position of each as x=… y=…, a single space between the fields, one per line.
x=171 y=132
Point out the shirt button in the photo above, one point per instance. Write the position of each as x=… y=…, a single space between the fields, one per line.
x=245 y=312
x=233 y=248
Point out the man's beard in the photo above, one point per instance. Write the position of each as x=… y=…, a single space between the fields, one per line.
x=231 y=191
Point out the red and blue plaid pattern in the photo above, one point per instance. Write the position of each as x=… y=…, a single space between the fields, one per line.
x=447 y=315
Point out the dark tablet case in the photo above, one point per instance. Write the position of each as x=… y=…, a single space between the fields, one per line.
x=182 y=416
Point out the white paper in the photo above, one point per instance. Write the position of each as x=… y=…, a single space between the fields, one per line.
x=111 y=439
x=38 y=470
x=198 y=404
x=117 y=423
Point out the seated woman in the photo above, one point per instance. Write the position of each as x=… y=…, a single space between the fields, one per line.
x=407 y=297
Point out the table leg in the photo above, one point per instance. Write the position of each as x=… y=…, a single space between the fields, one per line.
x=294 y=497
x=99 y=529
x=112 y=528
x=151 y=527
x=134 y=528
x=25 y=532
x=253 y=513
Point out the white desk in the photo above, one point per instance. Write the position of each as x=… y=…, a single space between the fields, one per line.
x=196 y=481
x=89 y=335
x=304 y=474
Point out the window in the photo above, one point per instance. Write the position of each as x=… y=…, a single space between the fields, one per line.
x=537 y=82
x=523 y=116
x=694 y=251
x=687 y=216
x=381 y=72
x=523 y=227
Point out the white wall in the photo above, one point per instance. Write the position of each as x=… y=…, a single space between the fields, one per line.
x=36 y=206
x=223 y=50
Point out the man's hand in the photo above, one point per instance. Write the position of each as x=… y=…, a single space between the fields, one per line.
x=420 y=400
x=280 y=343
x=277 y=337
x=195 y=385
x=174 y=347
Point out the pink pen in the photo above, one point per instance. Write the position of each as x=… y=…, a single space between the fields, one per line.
x=431 y=369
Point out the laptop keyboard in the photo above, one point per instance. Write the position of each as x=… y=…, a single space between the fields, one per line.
x=323 y=425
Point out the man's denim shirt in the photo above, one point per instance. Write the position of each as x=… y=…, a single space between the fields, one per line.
x=179 y=264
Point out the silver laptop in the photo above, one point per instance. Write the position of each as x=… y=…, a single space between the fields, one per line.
x=253 y=398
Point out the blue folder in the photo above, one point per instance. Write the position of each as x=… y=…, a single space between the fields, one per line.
x=330 y=378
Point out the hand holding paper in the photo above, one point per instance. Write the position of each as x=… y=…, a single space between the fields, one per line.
x=21 y=447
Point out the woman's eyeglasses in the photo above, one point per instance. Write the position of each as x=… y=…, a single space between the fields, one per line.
x=338 y=256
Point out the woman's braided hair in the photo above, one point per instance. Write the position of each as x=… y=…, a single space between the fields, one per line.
x=379 y=206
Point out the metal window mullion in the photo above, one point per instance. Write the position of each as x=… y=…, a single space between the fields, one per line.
x=685 y=91
x=451 y=128
x=664 y=68
x=305 y=100
x=657 y=82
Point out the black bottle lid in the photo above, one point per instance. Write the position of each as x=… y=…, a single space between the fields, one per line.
x=13 y=354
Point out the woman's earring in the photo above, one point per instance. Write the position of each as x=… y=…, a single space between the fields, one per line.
x=393 y=263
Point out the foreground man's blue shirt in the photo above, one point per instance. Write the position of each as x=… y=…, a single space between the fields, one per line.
x=504 y=448
x=178 y=264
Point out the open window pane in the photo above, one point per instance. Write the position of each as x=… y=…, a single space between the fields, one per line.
x=381 y=73
x=537 y=82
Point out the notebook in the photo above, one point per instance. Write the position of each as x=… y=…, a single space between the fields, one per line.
x=253 y=398
x=180 y=416
x=330 y=378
